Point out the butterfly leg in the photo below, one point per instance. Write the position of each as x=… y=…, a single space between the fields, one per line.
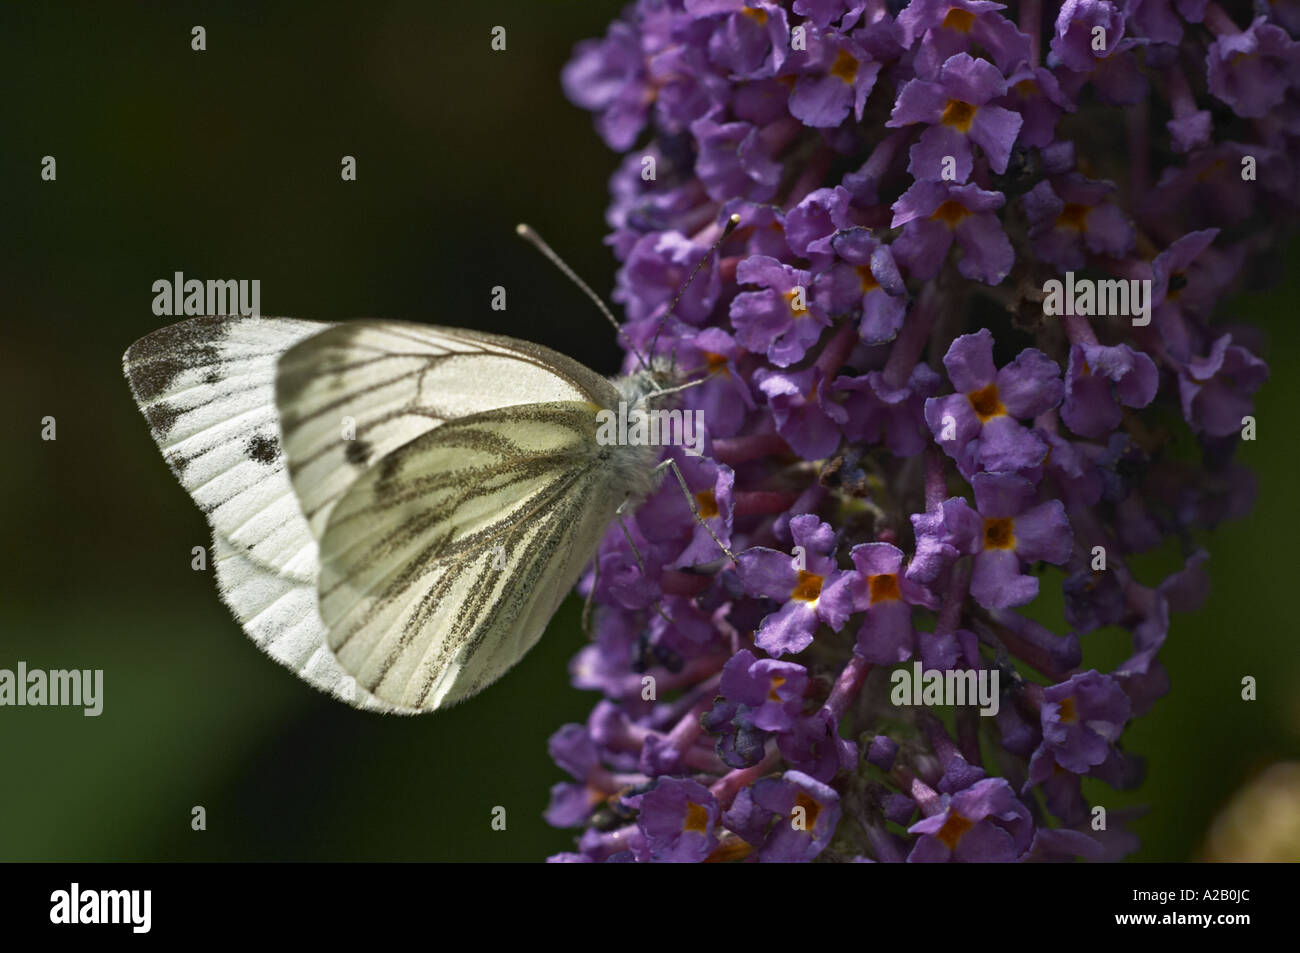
x=622 y=508
x=591 y=595
x=671 y=464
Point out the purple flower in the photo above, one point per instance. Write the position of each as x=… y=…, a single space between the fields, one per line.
x=781 y=320
x=836 y=83
x=979 y=425
x=1252 y=70
x=656 y=268
x=1098 y=380
x=667 y=519
x=804 y=412
x=895 y=415
x=809 y=585
x=1155 y=20
x=1186 y=280
x=1006 y=532
x=825 y=12
x=725 y=397
x=885 y=598
x=935 y=213
x=678 y=819
x=1216 y=389
x=771 y=690
x=622 y=580
x=1065 y=220
x=948 y=27
x=1190 y=131
x=734 y=161
x=985 y=823
x=608 y=77
x=1086 y=31
x=868 y=279
x=807 y=813
x=752 y=41
x=815 y=747
x=861 y=143
x=1082 y=717
x=958 y=110
x=738 y=742
x=1035 y=94
x=810 y=225
x=573 y=750
x=939 y=541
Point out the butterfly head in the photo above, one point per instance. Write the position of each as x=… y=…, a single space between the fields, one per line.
x=658 y=385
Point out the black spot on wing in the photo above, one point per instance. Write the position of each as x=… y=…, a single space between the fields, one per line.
x=161 y=418
x=263 y=448
x=153 y=362
x=357 y=452
x=178 y=462
x=388 y=467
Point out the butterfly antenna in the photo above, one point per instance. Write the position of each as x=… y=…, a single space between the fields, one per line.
x=732 y=222
x=680 y=387
x=525 y=232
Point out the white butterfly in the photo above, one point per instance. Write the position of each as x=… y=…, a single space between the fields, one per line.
x=397 y=509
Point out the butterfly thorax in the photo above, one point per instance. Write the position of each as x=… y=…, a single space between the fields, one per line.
x=647 y=421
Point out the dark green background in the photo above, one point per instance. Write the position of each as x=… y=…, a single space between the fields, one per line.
x=226 y=164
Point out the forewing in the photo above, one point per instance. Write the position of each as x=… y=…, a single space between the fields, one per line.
x=442 y=564
x=352 y=395
x=206 y=388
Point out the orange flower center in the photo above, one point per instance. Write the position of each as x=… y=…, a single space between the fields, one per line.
x=733 y=848
x=959 y=20
x=867 y=279
x=707 y=504
x=845 y=67
x=958 y=115
x=1068 y=715
x=954 y=828
x=697 y=818
x=883 y=588
x=999 y=533
x=808 y=588
x=777 y=682
x=986 y=403
x=950 y=213
x=810 y=810
x=1074 y=216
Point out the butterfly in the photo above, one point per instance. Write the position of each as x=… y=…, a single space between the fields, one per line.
x=397 y=509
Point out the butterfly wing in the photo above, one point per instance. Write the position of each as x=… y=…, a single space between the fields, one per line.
x=442 y=565
x=206 y=388
x=353 y=394
x=268 y=422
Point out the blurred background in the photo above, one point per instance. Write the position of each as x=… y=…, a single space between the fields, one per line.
x=225 y=164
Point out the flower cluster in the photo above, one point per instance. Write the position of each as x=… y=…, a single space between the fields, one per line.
x=904 y=445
